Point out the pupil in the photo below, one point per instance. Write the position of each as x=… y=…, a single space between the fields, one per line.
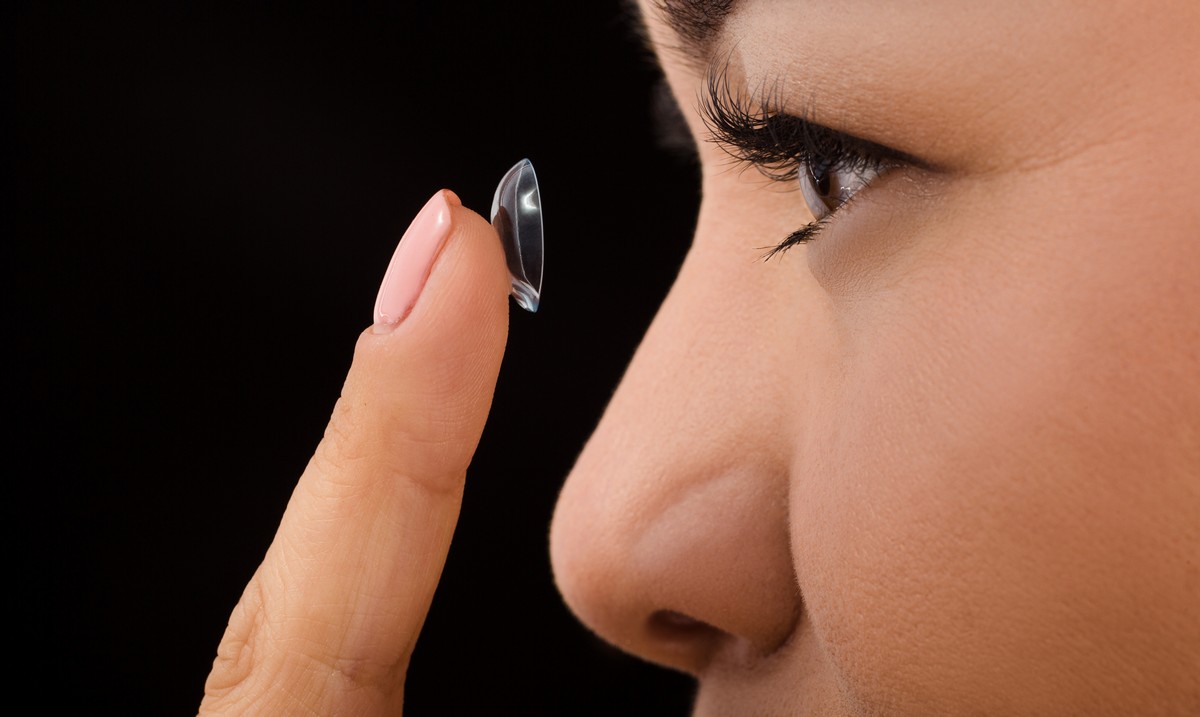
x=821 y=181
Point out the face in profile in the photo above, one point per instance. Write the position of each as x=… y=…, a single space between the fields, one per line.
x=939 y=453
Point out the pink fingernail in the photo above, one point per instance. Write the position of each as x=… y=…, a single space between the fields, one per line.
x=410 y=265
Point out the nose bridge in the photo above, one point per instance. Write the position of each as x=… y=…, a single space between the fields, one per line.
x=670 y=537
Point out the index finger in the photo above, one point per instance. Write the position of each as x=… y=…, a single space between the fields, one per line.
x=329 y=620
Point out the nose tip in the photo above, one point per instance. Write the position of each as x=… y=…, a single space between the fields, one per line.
x=670 y=538
x=679 y=567
x=613 y=589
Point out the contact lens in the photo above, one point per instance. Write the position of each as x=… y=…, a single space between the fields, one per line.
x=517 y=218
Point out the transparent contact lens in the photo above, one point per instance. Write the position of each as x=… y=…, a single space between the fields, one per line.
x=517 y=218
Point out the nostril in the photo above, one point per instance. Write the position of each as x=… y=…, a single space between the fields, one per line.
x=672 y=621
x=684 y=635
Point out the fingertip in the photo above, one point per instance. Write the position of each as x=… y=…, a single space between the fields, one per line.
x=431 y=376
x=468 y=281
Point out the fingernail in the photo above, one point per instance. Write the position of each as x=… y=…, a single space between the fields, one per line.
x=410 y=265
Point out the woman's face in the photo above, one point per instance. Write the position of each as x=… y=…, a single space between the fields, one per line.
x=945 y=457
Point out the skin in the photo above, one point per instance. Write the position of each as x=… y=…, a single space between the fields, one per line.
x=944 y=460
x=329 y=621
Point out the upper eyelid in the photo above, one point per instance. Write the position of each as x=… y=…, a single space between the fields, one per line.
x=747 y=127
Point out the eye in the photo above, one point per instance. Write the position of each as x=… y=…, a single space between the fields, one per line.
x=826 y=186
x=831 y=166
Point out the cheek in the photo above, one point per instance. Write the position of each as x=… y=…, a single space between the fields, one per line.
x=971 y=506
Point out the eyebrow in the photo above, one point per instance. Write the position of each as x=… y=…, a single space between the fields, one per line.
x=696 y=23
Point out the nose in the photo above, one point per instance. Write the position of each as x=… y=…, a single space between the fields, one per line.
x=670 y=538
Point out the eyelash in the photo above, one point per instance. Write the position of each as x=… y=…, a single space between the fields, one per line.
x=781 y=146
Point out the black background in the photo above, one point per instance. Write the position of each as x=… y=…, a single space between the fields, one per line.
x=202 y=202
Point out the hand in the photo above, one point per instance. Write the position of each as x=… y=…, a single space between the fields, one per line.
x=328 y=622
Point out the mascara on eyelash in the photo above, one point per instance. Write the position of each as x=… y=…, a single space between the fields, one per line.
x=753 y=131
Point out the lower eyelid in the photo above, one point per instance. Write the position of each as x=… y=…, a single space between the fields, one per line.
x=883 y=185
